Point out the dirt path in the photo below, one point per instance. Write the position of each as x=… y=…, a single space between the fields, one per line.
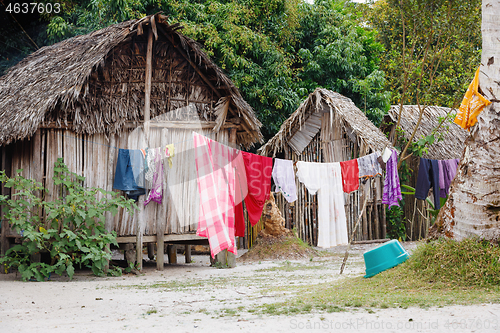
x=198 y=298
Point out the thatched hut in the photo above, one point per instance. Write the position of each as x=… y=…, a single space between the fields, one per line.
x=449 y=144
x=137 y=84
x=328 y=127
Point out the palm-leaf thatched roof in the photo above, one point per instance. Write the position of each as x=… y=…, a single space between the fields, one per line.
x=353 y=121
x=52 y=84
x=452 y=136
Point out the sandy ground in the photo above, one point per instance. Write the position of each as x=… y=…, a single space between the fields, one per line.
x=197 y=298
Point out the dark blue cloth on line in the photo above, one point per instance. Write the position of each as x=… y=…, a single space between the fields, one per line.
x=124 y=176
x=428 y=175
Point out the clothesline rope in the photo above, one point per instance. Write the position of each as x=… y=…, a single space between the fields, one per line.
x=114 y=147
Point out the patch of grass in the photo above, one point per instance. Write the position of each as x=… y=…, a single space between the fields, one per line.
x=469 y=262
x=295 y=308
x=204 y=311
x=230 y=312
x=439 y=273
x=151 y=311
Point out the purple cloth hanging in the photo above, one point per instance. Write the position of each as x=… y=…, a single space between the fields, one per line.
x=392 y=188
x=447 y=171
x=156 y=193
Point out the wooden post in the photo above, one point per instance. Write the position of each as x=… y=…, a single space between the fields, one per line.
x=7 y=166
x=376 y=183
x=36 y=167
x=3 y=240
x=187 y=253
x=162 y=213
x=172 y=254
x=147 y=84
x=147 y=101
x=384 y=222
x=108 y=224
x=346 y=255
x=364 y=226
x=140 y=223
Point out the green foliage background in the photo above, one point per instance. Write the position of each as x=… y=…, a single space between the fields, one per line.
x=276 y=51
x=453 y=31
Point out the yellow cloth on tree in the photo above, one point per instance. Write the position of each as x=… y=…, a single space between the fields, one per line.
x=472 y=105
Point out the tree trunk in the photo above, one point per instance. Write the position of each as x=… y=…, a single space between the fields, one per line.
x=473 y=206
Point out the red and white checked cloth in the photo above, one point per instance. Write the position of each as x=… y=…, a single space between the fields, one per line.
x=216 y=185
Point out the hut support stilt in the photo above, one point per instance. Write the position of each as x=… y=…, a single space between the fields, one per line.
x=108 y=222
x=7 y=166
x=172 y=254
x=162 y=218
x=187 y=253
x=147 y=100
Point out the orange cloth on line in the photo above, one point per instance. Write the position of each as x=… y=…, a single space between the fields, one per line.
x=472 y=105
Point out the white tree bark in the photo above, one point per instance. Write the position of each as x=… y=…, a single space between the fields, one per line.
x=473 y=207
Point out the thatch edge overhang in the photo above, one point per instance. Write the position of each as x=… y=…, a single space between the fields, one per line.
x=55 y=76
x=351 y=116
x=453 y=136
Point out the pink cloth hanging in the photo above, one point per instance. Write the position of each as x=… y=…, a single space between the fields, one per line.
x=216 y=185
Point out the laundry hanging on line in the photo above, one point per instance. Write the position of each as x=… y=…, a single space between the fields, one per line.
x=154 y=176
x=124 y=175
x=326 y=180
x=369 y=166
x=221 y=212
x=350 y=175
x=437 y=174
x=472 y=105
x=392 y=188
x=140 y=169
x=284 y=179
x=216 y=185
x=258 y=172
x=447 y=171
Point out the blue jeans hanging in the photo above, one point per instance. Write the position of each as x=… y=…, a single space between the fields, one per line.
x=124 y=176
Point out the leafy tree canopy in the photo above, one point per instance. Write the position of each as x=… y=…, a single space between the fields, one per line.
x=436 y=43
x=276 y=51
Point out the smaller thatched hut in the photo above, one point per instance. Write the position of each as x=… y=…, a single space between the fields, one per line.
x=449 y=144
x=328 y=127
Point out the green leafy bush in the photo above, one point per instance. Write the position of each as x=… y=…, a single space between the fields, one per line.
x=70 y=228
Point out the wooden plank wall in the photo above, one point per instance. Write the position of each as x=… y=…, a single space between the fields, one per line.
x=180 y=198
x=88 y=155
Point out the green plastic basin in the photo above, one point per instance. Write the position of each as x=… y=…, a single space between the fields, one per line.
x=383 y=257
